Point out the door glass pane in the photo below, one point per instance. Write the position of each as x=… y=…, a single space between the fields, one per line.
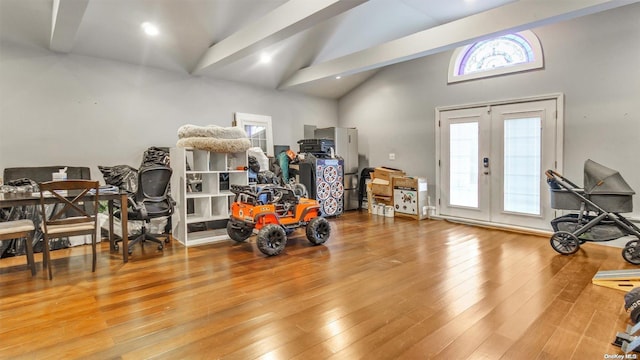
x=257 y=135
x=522 y=174
x=463 y=164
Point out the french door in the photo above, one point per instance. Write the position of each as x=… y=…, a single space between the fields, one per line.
x=492 y=163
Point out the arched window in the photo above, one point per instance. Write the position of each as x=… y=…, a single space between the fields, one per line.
x=501 y=55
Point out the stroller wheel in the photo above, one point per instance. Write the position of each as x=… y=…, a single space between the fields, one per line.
x=631 y=252
x=564 y=242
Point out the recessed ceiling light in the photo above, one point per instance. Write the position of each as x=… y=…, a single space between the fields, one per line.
x=338 y=77
x=265 y=58
x=150 y=29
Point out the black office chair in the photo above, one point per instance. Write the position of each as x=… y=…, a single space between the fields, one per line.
x=150 y=201
x=362 y=186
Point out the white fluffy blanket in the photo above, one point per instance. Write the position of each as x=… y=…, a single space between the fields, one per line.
x=214 y=131
x=215 y=145
x=213 y=138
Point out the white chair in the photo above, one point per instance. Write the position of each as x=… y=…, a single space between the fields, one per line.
x=18 y=229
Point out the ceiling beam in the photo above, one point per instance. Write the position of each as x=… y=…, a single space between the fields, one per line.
x=283 y=22
x=513 y=17
x=66 y=18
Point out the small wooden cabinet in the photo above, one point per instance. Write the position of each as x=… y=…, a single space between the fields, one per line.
x=200 y=186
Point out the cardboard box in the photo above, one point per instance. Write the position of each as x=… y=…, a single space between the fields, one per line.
x=384 y=173
x=382 y=189
x=381 y=183
x=386 y=200
x=410 y=197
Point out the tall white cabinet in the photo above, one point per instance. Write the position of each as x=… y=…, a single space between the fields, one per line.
x=201 y=197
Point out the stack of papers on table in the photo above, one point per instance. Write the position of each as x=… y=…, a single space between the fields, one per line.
x=107 y=189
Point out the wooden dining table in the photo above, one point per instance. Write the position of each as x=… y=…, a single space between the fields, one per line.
x=8 y=200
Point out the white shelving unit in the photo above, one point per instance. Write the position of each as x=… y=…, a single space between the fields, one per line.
x=200 y=195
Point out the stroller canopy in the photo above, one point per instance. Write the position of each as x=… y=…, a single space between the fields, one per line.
x=599 y=179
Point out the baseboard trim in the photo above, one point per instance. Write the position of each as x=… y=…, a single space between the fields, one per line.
x=490 y=225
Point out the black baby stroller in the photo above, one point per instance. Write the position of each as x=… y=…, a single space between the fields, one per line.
x=604 y=197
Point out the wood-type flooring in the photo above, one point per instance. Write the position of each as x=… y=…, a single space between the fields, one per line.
x=380 y=288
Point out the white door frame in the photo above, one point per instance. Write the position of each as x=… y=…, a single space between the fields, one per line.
x=559 y=133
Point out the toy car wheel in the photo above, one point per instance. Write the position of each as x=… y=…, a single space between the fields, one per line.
x=565 y=242
x=631 y=252
x=318 y=230
x=271 y=240
x=239 y=234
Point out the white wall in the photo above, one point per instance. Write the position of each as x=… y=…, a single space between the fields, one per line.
x=593 y=60
x=60 y=109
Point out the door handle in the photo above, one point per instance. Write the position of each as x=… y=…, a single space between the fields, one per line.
x=485 y=164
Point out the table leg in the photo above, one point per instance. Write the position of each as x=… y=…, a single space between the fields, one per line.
x=112 y=237
x=125 y=232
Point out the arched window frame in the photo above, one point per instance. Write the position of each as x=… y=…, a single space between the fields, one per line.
x=460 y=53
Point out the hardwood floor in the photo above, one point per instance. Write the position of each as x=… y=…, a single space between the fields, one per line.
x=380 y=288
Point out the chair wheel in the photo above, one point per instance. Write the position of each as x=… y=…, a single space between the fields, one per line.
x=160 y=247
x=130 y=251
x=116 y=247
x=166 y=240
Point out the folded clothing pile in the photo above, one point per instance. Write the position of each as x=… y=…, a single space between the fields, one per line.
x=155 y=156
x=124 y=177
x=213 y=138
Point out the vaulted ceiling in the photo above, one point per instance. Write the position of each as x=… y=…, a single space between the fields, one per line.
x=309 y=42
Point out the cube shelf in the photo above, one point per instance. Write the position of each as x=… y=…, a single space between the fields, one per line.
x=200 y=186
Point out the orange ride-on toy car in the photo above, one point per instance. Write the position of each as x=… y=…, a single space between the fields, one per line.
x=274 y=211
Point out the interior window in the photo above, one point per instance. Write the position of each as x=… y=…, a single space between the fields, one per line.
x=258 y=129
x=501 y=55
